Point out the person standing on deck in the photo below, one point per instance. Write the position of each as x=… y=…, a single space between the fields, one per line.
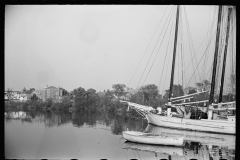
x=187 y=112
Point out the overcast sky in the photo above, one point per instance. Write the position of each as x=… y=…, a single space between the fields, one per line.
x=96 y=46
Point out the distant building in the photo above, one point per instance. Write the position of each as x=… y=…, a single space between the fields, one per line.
x=38 y=93
x=16 y=95
x=12 y=95
x=54 y=93
x=5 y=95
x=23 y=96
x=29 y=93
x=62 y=93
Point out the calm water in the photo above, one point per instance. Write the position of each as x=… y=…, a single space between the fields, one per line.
x=51 y=135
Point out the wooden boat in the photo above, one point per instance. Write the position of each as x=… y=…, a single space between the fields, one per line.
x=149 y=138
x=225 y=126
x=216 y=126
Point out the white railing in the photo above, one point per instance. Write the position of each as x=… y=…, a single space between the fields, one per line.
x=190 y=103
x=188 y=95
x=224 y=106
x=227 y=103
x=182 y=99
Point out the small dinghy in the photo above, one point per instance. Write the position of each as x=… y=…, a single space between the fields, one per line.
x=149 y=138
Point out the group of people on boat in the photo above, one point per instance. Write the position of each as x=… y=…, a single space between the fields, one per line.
x=190 y=112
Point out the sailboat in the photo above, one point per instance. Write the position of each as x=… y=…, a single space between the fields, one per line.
x=225 y=126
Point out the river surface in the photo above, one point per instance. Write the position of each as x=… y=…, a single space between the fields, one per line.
x=92 y=137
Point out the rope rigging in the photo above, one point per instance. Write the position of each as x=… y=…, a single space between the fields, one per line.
x=200 y=61
x=194 y=62
x=181 y=55
x=231 y=33
x=182 y=60
x=200 y=46
x=178 y=66
x=210 y=69
x=204 y=61
x=193 y=57
x=208 y=40
x=166 y=70
x=148 y=46
x=153 y=50
x=169 y=54
x=207 y=47
x=157 y=51
x=165 y=56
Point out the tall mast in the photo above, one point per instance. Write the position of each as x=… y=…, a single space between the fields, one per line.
x=225 y=55
x=215 y=57
x=174 y=55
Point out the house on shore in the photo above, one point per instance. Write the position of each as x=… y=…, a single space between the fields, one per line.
x=29 y=93
x=12 y=95
x=38 y=93
x=54 y=93
x=6 y=96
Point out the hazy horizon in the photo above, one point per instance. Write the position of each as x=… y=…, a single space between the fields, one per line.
x=96 y=46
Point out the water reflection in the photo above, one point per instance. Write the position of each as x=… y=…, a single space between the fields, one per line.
x=191 y=150
x=15 y=115
x=79 y=120
x=198 y=145
x=50 y=119
x=169 y=150
x=202 y=137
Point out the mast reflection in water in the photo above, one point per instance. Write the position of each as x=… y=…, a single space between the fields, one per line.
x=98 y=136
x=197 y=145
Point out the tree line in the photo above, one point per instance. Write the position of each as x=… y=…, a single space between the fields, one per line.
x=90 y=102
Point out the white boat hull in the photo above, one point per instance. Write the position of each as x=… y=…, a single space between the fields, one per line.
x=205 y=125
x=147 y=138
